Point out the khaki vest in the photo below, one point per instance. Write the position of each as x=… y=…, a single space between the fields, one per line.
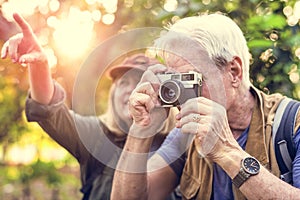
x=197 y=176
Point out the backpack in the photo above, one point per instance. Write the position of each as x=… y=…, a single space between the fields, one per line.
x=282 y=136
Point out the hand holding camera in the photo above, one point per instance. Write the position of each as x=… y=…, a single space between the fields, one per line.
x=159 y=90
x=144 y=104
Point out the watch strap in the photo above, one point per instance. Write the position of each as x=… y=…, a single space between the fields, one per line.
x=240 y=178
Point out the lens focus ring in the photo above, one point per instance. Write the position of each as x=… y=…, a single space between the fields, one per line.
x=169 y=91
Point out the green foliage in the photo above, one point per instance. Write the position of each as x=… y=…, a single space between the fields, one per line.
x=271 y=40
x=12 y=104
x=39 y=180
x=40 y=169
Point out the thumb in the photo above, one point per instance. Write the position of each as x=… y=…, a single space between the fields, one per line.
x=35 y=57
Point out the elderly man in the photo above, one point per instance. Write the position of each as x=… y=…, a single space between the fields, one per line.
x=221 y=147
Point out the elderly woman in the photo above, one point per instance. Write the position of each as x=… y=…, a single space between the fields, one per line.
x=95 y=141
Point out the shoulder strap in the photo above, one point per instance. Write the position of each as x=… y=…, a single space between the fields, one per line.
x=87 y=187
x=283 y=130
x=98 y=168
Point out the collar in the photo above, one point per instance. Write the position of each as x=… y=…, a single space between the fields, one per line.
x=257 y=143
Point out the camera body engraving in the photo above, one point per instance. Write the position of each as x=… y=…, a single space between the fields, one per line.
x=177 y=88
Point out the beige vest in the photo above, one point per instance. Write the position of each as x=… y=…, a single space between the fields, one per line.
x=197 y=176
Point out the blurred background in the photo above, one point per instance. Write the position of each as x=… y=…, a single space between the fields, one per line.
x=32 y=166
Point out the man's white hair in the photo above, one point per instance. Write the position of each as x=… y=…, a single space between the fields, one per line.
x=217 y=34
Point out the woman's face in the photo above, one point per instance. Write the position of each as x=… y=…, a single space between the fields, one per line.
x=124 y=86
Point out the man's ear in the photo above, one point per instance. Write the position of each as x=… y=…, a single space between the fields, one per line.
x=236 y=70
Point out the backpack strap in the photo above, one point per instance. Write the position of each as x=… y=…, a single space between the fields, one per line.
x=87 y=187
x=283 y=131
x=98 y=165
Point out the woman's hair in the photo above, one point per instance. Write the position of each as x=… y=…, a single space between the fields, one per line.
x=109 y=118
x=218 y=36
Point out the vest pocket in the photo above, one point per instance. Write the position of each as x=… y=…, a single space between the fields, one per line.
x=189 y=186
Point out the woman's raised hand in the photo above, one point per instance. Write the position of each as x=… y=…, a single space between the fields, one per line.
x=24 y=47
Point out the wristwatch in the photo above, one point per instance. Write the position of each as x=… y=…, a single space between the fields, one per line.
x=249 y=167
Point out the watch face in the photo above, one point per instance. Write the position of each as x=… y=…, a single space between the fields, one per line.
x=251 y=165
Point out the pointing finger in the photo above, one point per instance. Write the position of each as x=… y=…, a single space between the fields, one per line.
x=26 y=29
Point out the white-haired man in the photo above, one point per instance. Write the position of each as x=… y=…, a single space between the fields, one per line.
x=229 y=123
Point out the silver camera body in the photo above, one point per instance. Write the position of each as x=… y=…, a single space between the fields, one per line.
x=177 y=88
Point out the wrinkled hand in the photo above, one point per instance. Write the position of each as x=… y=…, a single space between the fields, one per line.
x=144 y=105
x=23 y=47
x=207 y=120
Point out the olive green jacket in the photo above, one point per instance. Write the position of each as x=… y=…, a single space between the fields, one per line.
x=87 y=138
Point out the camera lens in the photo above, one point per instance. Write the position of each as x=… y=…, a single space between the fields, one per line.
x=169 y=92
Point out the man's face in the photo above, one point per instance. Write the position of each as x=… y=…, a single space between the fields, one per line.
x=213 y=85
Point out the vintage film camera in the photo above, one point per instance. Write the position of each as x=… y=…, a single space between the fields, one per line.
x=177 y=88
